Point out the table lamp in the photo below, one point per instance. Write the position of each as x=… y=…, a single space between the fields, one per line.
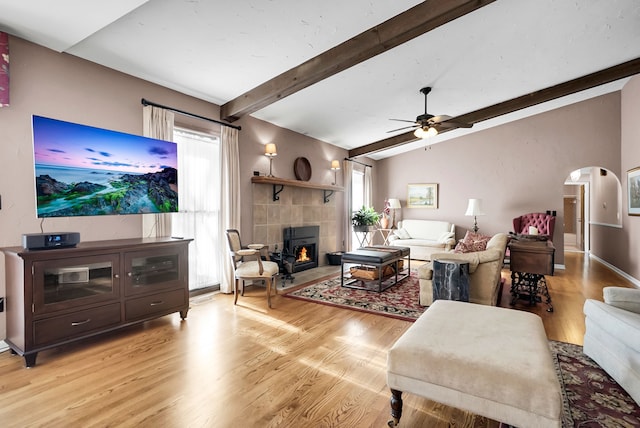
x=474 y=209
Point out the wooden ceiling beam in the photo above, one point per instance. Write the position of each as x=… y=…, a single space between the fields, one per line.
x=401 y=28
x=589 y=81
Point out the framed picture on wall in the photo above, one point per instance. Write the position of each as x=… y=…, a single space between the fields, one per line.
x=422 y=195
x=633 y=191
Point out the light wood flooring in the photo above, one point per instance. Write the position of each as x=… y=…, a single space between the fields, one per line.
x=296 y=365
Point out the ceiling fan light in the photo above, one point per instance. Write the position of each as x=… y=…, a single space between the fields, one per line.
x=432 y=132
x=419 y=133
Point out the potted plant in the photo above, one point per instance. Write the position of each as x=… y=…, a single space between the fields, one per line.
x=364 y=219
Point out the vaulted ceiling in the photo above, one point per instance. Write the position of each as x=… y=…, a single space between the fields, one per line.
x=339 y=70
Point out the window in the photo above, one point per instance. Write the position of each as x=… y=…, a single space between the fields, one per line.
x=357 y=200
x=199 y=205
x=357 y=178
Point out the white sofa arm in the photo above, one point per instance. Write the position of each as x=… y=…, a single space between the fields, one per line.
x=623 y=298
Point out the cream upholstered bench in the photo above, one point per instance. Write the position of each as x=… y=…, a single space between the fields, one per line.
x=494 y=362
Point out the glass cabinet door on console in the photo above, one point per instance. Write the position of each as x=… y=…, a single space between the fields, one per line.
x=148 y=271
x=70 y=282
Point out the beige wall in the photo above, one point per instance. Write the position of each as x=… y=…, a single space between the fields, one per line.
x=606 y=199
x=291 y=145
x=622 y=247
x=64 y=87
x=515 y=168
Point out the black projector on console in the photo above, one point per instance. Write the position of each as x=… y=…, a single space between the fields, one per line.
x=46 y=241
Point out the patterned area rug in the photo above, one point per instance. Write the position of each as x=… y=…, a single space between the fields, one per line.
x=591 y=397
x=399 y=301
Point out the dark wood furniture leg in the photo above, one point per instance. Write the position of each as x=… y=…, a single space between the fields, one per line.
x=396 y=407
x=30 y=359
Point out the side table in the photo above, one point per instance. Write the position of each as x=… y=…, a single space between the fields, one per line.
x=530 y=262
x=385 y=234
x=450 y=280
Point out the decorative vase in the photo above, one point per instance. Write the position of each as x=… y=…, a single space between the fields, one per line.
x=384 y=223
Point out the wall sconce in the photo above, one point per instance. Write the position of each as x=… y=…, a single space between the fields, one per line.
x=394 y=204
x=474 y=209
x=335 y=167
x=270 y=152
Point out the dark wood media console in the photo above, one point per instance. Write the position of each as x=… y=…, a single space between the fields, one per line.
x=63 y=295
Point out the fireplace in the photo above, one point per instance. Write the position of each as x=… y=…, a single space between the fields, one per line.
x=301 y=243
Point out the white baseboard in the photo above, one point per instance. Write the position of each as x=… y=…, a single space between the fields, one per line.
x=3 y=346
x=622 y=273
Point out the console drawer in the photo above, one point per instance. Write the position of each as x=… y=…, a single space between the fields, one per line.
x=76 y=324
x=144 y=307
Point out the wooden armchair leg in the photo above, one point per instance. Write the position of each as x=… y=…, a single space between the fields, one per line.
x=235 y=291
x=269 y=292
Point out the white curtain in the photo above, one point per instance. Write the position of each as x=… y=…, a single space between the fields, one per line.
x=347 y=179
x=157 y=123
x=229 y=199
x=199 y=206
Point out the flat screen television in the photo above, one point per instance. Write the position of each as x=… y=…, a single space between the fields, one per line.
x=85 y=171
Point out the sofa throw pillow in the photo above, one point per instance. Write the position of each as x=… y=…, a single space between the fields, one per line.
x=402 y=233
x=472 y=242
x=444 y=237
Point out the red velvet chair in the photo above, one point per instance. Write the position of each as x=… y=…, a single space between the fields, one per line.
x=544 y=222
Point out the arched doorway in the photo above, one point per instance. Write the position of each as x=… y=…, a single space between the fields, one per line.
x=592 y=195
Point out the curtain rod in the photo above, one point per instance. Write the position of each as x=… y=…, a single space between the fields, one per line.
x=351 y=160
x=150 y=103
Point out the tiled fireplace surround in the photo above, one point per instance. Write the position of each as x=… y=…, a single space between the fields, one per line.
x=297 y=206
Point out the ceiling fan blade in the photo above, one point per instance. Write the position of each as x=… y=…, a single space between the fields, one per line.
x=400 y=129
x=438 y=119
x=403 y=120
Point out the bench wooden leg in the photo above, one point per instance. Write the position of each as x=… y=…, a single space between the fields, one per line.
x=396 y=407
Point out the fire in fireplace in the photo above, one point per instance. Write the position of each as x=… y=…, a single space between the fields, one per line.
x=302 y=243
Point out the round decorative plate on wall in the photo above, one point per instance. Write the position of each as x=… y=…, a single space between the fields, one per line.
x=302 y=169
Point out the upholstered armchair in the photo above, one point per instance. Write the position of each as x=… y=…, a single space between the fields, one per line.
x=545 y=223
x=248 y=265
x=612 y=336
x=485 y=269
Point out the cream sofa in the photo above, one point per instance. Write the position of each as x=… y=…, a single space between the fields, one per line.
x=612 y=336
x=484 y=272
x=424 y=237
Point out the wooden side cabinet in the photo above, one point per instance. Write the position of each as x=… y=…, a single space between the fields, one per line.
x=67 y=294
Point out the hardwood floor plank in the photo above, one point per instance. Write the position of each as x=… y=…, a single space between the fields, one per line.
x=298 y=364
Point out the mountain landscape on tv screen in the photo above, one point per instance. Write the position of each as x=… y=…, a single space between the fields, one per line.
x=84 y=171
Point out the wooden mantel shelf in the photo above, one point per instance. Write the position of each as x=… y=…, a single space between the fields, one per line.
x=295 y=183
x=275 y=181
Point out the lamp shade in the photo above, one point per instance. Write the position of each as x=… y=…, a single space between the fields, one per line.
x=270 y=150
x=475 y=207
x=394 y=203
x=335 y=165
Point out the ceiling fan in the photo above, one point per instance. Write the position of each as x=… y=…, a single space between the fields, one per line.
x=427 y=125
